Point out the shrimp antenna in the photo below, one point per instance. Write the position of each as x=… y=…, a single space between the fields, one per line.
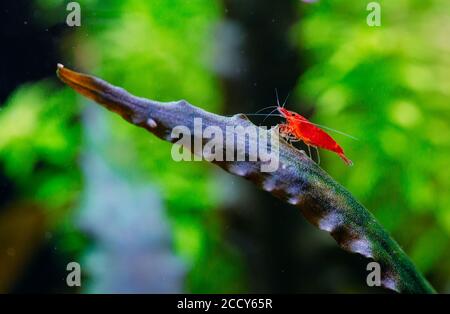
x=262 y=114
x=270 y=113
x=334 y=130
x=269 y=107
x=278 y=100
x=284 y=103
x=276 y=107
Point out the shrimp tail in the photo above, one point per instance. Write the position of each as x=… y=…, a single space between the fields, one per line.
x=345 y=159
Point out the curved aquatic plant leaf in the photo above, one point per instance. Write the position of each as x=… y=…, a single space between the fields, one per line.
x=298 y=180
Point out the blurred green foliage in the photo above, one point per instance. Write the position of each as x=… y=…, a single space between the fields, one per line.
x=40 y=141
x=388 y=86
x=155 y=49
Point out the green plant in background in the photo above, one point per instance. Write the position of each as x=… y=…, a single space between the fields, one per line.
x=388 y=86
x=151 y=49
x=39 y=143
x=39 y=147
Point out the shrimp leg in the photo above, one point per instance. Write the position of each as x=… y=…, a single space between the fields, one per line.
x=318 y=155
